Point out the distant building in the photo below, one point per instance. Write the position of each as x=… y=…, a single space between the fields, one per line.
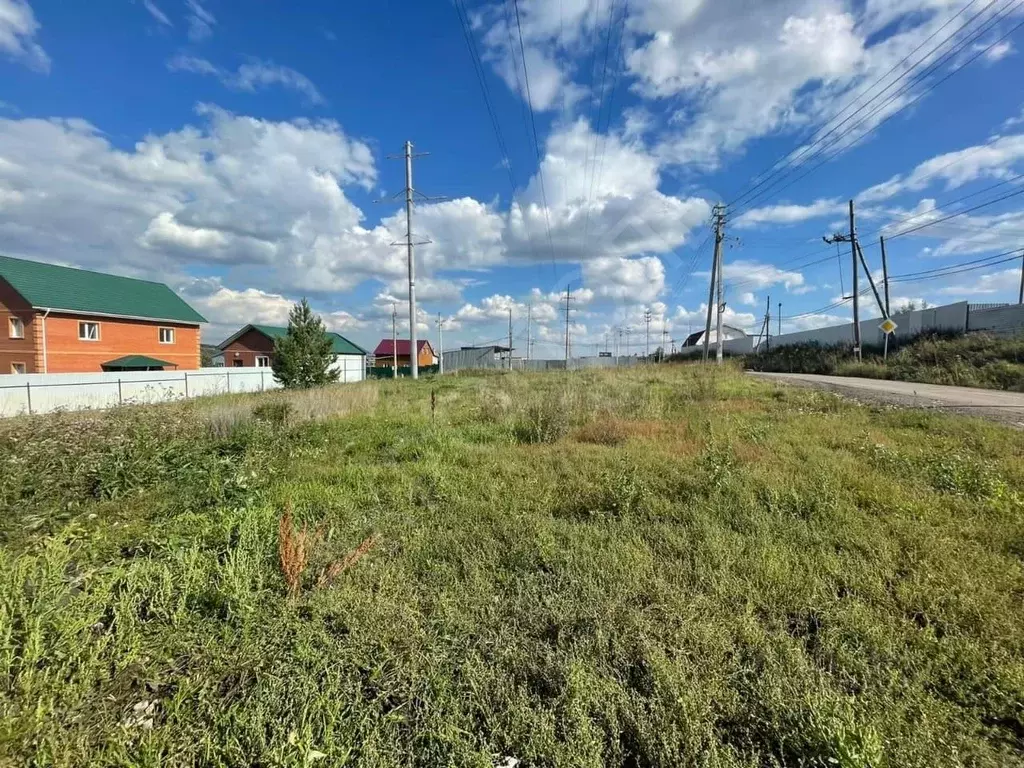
x=252 y=346
x=57 y=319
x=386 y=352
x=729 y=333
x=499 y=352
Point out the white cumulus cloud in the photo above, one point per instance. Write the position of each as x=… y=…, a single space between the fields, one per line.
x=18 y=29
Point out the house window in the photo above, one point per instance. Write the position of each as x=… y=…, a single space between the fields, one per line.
x=89 y=331
x=18 y=368
x=262 y=361
x=17 y=328
x=166 y=335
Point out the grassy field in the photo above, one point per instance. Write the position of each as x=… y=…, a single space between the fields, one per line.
x=977 y=360
x=664 y=566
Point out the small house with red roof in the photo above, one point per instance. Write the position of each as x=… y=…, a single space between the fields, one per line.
x=388 y=350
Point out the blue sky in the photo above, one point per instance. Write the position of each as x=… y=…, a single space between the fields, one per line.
x=236 y=151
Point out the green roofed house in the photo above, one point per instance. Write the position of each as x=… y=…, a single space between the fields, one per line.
x=253 y=347
x=56 y=319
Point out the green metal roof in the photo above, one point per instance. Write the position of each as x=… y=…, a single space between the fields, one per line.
x=137 y=362
x=342 y=346
x=49 y=286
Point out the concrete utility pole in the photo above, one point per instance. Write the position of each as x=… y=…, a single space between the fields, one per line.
x=768 y=323
x=647 y=336
x=510 y=338
x=719 y=237
x=440 y=344
x=629 y=331
x=780 y=318
x=664 y=339
x=413 y=350
x=856 y=288
x=394 y=342
x=1020 y=299
x=711 y=292
x=568 y=298
x=529 y=324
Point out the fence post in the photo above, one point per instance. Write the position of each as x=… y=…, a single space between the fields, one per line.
x=263 y=386
x=186 y=385
x=229 y=382
x=28 y=395
x=120 y=400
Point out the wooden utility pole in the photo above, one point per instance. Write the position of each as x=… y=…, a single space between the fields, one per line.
x=1020 y=298
x=885 y=288
x=856 y=289
x=780 y=318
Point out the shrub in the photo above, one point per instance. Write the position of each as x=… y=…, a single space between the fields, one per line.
x=973 y=360
x=275 y=412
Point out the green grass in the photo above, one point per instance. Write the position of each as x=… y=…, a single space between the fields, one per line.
x=662 y=566
x=977 y=360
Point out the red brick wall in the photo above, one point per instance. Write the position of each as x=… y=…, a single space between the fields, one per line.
x=247 y=347
x=17 y=350
x=66 y=353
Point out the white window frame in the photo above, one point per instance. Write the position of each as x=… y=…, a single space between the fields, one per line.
x=83 y=335
x=16 y=323
x=16 y=366
x=160 y=335
x=265 y=359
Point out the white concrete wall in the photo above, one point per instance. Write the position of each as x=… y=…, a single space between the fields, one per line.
x=48 y=392
x=952 y=317
x=1008 y=319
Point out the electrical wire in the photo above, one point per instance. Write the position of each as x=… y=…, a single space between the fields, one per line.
x=927 y=224
x=787 y=159
x=536 y=139
x=481 y=79
x=944 y=58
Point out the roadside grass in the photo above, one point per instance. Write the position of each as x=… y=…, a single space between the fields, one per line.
x=663 y=566
x=975 y=360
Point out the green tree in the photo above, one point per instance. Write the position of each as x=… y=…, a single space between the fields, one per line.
x=302 y=359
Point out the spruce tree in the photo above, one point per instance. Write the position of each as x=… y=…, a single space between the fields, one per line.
x=302 y=359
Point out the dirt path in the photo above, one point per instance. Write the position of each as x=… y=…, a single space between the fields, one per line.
x=1005 y=407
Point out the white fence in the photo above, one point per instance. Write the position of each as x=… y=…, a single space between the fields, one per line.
x=475 y=359
x=47 y=392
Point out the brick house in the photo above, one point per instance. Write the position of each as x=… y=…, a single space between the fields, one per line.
x=57 y=319
x=253 y=347
x=386 y=351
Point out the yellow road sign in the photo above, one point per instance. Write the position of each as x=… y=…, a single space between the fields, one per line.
x=888 y=326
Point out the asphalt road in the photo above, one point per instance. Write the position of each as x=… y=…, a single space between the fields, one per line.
x=1007 y=407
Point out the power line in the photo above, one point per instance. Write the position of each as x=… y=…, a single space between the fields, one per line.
x=942 y=60
x=478 y=68
x=954 y=215
x=600 y=112
x=774 y=168
x=533 y=124
x=955 y=269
